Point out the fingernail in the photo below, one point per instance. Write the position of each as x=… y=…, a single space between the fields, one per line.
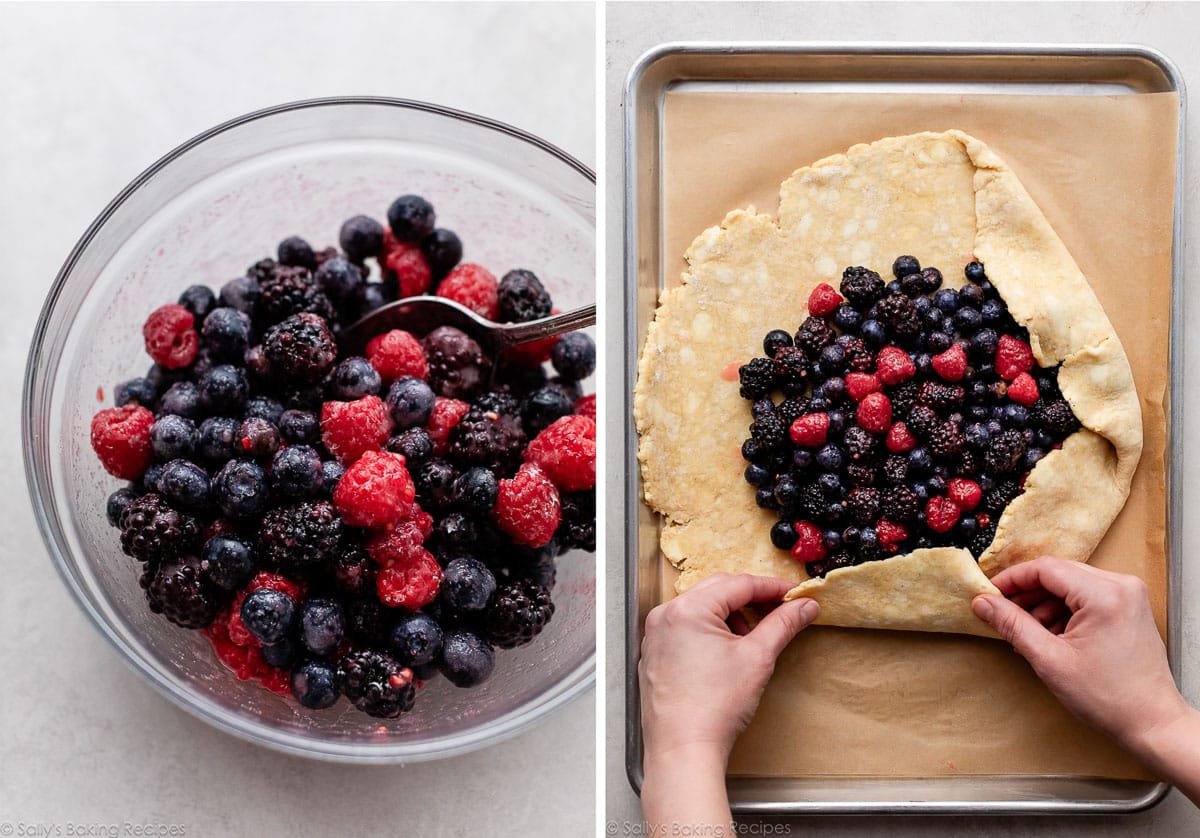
x=809 y=609
x=983 y=608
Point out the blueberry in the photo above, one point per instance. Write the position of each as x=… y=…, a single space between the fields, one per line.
x=968 y=320
x=341 y=281
x=228 y=561
x=837 y=419
x=830 y=484
x=920 y=461
x=282 y=654
x=296 y=252
x=456 y=531
x=223 y=390
x=874 y=333
x=296 y=472
x=322 y=625
x=936 y=484
x=181 y=399
x=833 y=389
x=361 y=237
x=415 y=444
x=923 y=361
x=172 y=437
x=116 y=504
x=374 y=294
x=992 y=311
x=905 y=265
x=199 y=300
x=783 y=535
x=467 y=584
x=416 y=639
x=268 y=614
x=802 y=459
x=974 y=271
x=136 y=391
x=832 y=539
x=933 y=319
x=331 y=474
x=315 y=685
x=240 y=489
x=994 y=427
x=543 y=407
x=977 y=436
x=946 y=300
x=574 y=356
x=937 y=342
x=226 y=334
x=868 y=538
x=983 y=343
x=257 y=364
x=467 y=659
x=150 y=476
x=476 y=489
x=818 y=404
x=932 y=280
x=830 y=458
x=920 y=490
x=410 y=402
x=851 y=537
x=264 y=407
x=258 y=438
x=834 y=514
x=833 y=357
x=443 y=250
x=895 y=287
x=185 y=485
x=300 y=427
x=1031 y=458
x=411 y=218
x=218 y=439
x=765 y=497
x=847 y=318
x=1015 y=416
x=970 y=296
x=775 y=340
x=241 y=293
x=967 y=527
x=1042 y=439
x=353 y=378
x=787 y=490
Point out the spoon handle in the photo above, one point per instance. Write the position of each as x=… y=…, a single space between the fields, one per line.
x=557 y=324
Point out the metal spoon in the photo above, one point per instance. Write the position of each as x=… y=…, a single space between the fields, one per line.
x=421 y=315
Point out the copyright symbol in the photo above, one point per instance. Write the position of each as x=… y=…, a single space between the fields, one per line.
x=609 y=829
x=6 y=828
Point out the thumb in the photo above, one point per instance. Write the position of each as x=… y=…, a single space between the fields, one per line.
x=1028 y=637
x=776 y=630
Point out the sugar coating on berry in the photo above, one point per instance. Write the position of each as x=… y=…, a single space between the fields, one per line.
x=411 y=584
x=376 y=491
x=406 y=262
x=121 y=439
x=350 y=429
x=527 y=507
x=396 y=354
x=170 y=337
x=566 y=452
x=446 y=414
x=474 y=287
x=398 y=545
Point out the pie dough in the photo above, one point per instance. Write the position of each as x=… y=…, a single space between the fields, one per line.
x=945 y=198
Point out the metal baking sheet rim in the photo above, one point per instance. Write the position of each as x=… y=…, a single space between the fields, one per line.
x=1122 y=796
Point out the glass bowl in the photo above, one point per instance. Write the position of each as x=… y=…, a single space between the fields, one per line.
x=204 y=213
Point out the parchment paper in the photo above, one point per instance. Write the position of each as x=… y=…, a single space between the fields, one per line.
x=859 y=702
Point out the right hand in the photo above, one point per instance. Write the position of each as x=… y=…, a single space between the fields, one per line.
x=1090 y=636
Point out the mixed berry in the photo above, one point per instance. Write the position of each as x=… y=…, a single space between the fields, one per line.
x=900 y=415
x=353 y=525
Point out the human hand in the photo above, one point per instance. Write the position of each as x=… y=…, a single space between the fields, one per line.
x=1090 y=636
x=703 y=671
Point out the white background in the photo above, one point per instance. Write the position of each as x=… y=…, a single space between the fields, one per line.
x=90 y=95
x=634 y=28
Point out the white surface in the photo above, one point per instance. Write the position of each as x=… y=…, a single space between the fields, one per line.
x=634 y=28
x=92 y=95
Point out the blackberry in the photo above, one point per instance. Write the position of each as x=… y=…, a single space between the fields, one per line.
x=904 y=397
x=301 y=536
x=182 y=594
x=814 y=335
x=863 y=505
x=969 y=462
x=415 y=444
x=491 y=440
x=898 y=313
x=895 y=469
x=296 y=252
x=499 y=400
x=1001 y=495
x=791 y=370
x=861 y=445
x=900 y=504
x=861 y=286
x=791 y=409
x=859 y=475
x=376 y=683
x=1005 y=451
x=300 y=348
x=982 y=540
x=577 y=529
x=288 y=291
x=1055 y=417
x=152 y=530
x=811 y=502
x=522 y=297
x=757 y=378
x=769 y=430
x=858 y=357
x=921 y=421
x=936 y=394
x=518 y=613
x=946 y=440
x=434 y=481
x=458 y=366
x=353 y=571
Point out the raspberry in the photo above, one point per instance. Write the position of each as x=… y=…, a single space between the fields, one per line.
x=874 y=413
x=1023 y=389
x=890 y=533
x=407 y=264
x=376 y=492
x=951 y=365
x=121 y=439
x=810 y=430
x=586 y=406
x=472 y=286
x=527 y=507
x=400 y=545
x=859 y=385
x=823 y=301
x=900 y=439
x=412 y=584
x=894 y=366
x=566 y=452
x=941 y=514
x=446 y=414
x=244 y=661
x=532 y=354
x=349 y=429
x=809 y=546
x=170 y=339
x=396 y=354
x=1013 y=357
x=966 y=494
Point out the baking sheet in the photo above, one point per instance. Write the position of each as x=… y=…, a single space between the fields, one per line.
x=855 y=703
